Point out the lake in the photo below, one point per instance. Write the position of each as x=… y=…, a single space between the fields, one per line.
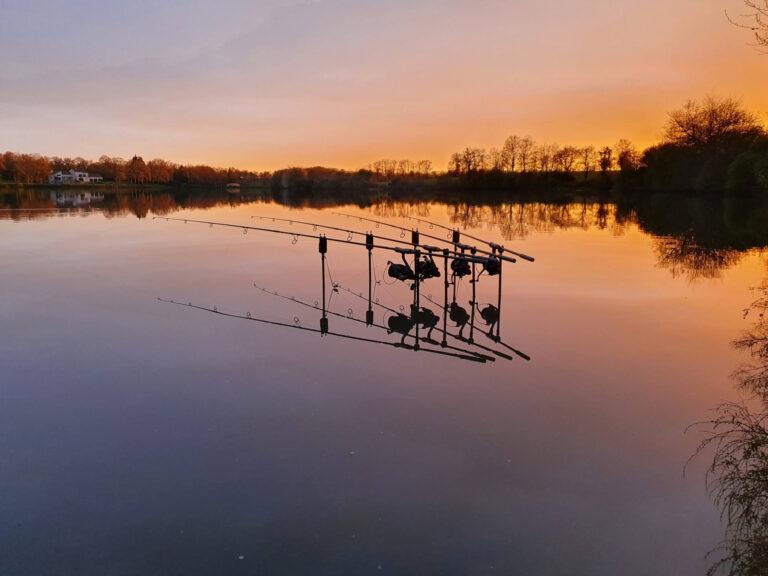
x=139 y=436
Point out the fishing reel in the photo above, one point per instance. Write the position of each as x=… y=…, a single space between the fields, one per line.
x=460 y=267
x=426 y=268
x=492 y=266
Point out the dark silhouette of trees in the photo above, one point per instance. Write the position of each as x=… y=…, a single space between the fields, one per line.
x=564 y=160
x=525 y=153
x=388 y=169
x=587 y=157
x=469 y=161
x=510 y=152
x=606 y=159
x=711 y=123
x=627 y=156
x=709 y=146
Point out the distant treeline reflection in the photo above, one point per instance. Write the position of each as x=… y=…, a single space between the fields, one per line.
x=695 y=236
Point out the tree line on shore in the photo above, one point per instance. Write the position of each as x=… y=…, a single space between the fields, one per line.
x=524 y=155
x=35 y=169
x=711 y=145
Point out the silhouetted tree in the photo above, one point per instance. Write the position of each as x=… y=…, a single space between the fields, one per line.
x=525 y=153
x=587 y=158
x=454 y=164
x=545 y=156
x=496 y=159
x=756 y=20
x=565 y=159
x=627 y=156
x=510 y=152
x=709 y=146
x=711 y=122
x=606 y=159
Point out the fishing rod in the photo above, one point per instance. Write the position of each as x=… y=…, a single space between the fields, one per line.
x=315 y=226
x=351 y=233
x=455 y=336
x=347 y=317
x=248 y=316
x=493 y=245
x=496 y=339
x=456 y=244
x=444 y=252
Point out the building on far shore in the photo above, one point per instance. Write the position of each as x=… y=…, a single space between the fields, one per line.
x=74 y=177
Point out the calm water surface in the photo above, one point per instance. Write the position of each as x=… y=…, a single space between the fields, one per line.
x=139 y=437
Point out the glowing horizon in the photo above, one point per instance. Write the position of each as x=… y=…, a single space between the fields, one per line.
x=282 y=83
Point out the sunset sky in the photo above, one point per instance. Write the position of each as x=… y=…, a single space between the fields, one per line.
x=268 y=84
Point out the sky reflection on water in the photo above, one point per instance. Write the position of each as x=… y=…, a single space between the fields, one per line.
x=141 y=437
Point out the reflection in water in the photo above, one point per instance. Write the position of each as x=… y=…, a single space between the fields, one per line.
x=685 y=257
x=738 y=476
x=190 y=440
x=419 y=323
x=75 y=199
x=696 y=237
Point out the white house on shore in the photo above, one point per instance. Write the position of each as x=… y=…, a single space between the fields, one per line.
x=74 y=177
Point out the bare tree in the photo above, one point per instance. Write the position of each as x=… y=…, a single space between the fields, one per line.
x=496 y=159
x=525 y=153
x=756 y=21
x=424 y=167
x=454 y=164
x=565 y=159
x=711 y=121
x=587 y=160
x=545 y=156
x=511 y=151
x=606 y=159
x=627 y=156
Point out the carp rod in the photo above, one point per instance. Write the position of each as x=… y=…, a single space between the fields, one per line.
x=454 y=336
x=475 y=238
x=248 y=316
x=350 y=233
x=496 y=339
x=433 y=250
x=496 y=250
x=373 y=324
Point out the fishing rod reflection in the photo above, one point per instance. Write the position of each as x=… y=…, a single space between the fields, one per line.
x=421 y=322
